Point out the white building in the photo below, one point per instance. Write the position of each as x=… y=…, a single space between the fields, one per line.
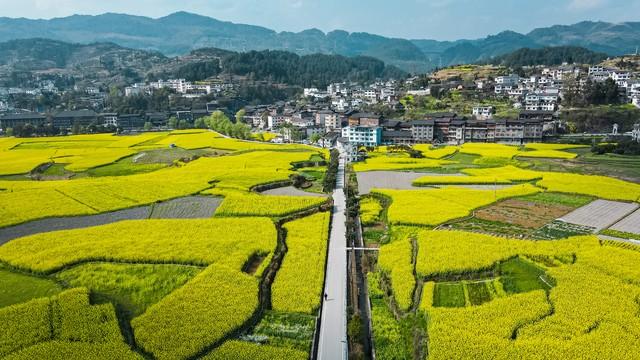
x=135 y=89
x=110 y=119
x=621 y=78
x=483 y=112
x=508 y=80
x=340 y=104
x=363 y=135
x=371 y=95
x=275 y=121
x=423 y=92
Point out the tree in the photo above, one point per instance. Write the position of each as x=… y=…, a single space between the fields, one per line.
x=147 y=126
x=315 y=138
x=9 y=131
x=601 y=93
x=172 y=122
x=183 y=124
x=571 y=95
x=240 y=116
x=199 y=124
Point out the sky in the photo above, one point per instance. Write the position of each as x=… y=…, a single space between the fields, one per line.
x=413 y=19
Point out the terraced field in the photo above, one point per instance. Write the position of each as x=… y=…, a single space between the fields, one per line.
x=121 y=247
x=493 y=273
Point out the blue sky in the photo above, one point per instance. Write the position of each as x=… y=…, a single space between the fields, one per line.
x=424 y=19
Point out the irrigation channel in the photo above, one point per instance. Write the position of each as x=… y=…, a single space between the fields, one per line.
x=189 y=207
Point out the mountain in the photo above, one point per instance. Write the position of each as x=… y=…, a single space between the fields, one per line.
x=603 y=37
x=470 y=51
x=182 y=32
x=113 y=64
x=613 y=39
x=46 y=54
x=548 y=56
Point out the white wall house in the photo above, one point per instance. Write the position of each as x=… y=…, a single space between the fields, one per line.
x=363 y=135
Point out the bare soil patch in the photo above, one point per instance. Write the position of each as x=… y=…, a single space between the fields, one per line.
x=190 y=207
x=290 y=191
x=394 y=180
x=531 y=215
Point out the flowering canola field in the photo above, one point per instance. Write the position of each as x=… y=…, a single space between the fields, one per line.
x=583 y=302
x=232 y=256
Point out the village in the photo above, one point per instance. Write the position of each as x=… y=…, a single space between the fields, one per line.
x=509 y=108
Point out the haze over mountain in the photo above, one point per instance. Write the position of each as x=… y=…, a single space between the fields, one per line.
x=180 y=33
x=112 y=64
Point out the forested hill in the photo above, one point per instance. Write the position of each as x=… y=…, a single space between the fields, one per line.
x=308 y=70
x=549 y=56
x=116 y=65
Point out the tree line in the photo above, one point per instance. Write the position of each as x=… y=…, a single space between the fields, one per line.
x=556 y=55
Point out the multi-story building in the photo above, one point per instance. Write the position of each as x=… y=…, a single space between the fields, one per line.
x=508 y=80
x=131 y=121
x=66 y=119
x=274 y=121
x=365 y=119
x=328 y=119
x=13 y=120
x=397 y=137
x=363 y=135
x=620 y=77
x=483 y=112
x=109 y=119
x=422 y=131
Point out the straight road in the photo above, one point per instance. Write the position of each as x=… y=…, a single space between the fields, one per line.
x=332 y=344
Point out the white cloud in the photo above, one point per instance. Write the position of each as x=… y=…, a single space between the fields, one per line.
x=582 y=5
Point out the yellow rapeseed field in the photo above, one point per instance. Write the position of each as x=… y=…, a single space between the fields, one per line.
x=509 y=151
x=29 y=200
x=599 y=186
x=203 y=311
x=64 y=326
x=298 y=284
x=397 y=163
x=79 y=152
x=251 y=204
x=370 y=209
x=252 y=351
x=436 y=153
x=226 y=241
x=395 y=260
x=436 y=206
x=446 y=252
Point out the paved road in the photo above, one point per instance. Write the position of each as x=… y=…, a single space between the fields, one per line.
x=332 y=343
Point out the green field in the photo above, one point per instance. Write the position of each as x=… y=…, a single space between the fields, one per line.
x=132 y=287
x=449 y=295
x=125 y=167
x=289 y=330
x=620 y=166
x=479 y=292
x=18 y=288
x=518 y=276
